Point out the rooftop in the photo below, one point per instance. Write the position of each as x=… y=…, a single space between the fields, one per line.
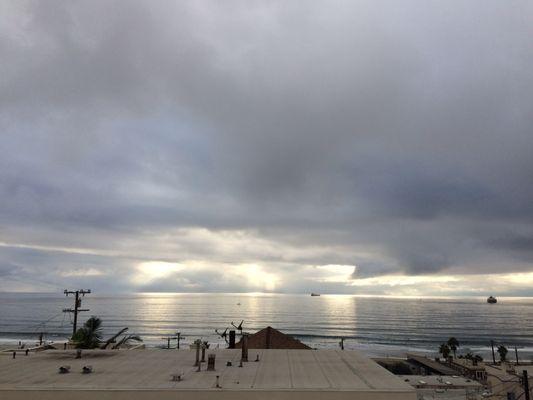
x=270 y=338
x=319 y=373
x=431 y=364
x=445 y=381
x=468 y=364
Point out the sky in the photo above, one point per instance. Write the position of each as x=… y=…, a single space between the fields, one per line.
x=355 y=147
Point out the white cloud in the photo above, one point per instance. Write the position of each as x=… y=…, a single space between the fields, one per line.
x=81 y=272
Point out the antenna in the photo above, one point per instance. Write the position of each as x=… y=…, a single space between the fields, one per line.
x=77 y=305
x=223 y=335
x=239 y=327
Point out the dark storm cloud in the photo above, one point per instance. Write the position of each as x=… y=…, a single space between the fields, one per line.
x=393 y=137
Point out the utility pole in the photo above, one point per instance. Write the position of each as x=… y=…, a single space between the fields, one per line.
x=168 y=339
x=493 y=356
x=179 y=338
x=516 y=354
x=77 y=305
x=526 y=384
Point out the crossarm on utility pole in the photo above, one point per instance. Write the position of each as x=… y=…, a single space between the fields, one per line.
x=77 y=305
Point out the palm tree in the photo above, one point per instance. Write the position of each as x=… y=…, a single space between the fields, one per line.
x=444 y=350
x=113 y=338
x=90 y=335
x=125 y=339
x=453 y=344
x=502 y=351
x=475 y=358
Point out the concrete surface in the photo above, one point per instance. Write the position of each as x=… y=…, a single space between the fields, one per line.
x=146 y=374
x=441 y=381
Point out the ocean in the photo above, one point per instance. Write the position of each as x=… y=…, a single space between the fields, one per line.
x=378 y=326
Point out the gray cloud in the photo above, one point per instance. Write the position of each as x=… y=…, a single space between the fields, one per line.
x=395 y=138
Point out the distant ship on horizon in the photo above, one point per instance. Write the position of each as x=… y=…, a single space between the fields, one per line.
x=315 y=294
x=492 y=300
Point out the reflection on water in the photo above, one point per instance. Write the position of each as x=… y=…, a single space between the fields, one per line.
x=367 y=322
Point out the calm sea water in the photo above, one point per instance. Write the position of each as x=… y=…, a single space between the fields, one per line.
x=375 y=325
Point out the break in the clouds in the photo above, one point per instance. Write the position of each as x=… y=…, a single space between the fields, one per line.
x=370 y=147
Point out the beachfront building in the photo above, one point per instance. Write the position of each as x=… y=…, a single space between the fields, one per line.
x=503 y=380
x=171 y=374
x=270 y=338
x=471 y=369
x=460 y=378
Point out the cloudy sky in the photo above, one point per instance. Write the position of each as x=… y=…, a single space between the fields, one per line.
x=362 y=147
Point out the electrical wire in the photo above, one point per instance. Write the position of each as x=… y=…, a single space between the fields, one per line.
x=501 y=383
x=500 y=392
x=63 y=321
x=36 y=326
x=523 y=393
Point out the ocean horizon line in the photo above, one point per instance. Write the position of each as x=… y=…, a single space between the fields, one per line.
x=255 y=293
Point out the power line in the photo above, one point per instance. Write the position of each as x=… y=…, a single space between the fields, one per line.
x=499 y=393
x=36 y=326
x=63 y=320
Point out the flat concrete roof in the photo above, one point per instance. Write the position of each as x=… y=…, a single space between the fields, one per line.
x=432 y=364
x=290 y=371
x=499 y=371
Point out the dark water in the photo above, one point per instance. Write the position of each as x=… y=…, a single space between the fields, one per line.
x=376 y=325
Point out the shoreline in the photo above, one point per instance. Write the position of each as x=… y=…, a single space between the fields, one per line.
x=368 y=349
